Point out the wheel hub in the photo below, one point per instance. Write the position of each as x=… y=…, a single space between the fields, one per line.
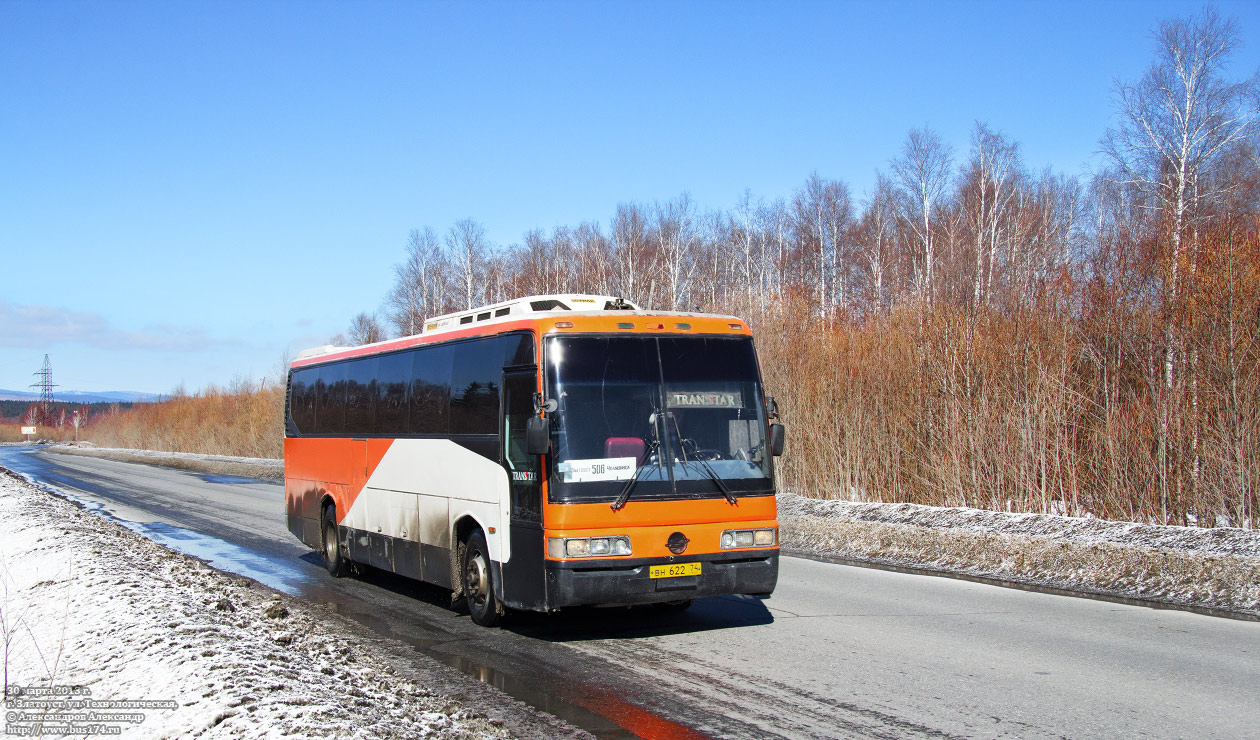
x=330 y=544
x=478 y=579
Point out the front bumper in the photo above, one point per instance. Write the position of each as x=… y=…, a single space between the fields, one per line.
x=627 y=581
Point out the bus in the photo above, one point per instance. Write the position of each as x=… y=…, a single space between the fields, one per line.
x=542 y=453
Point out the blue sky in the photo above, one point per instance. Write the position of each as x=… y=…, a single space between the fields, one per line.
x=188 y=190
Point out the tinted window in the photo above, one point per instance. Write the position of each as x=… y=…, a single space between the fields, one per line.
x=330 y=408
x=302 y=400
x=393 y=376
x=526 y=495
x=475 y=377
x=359 y=395
x=685 y=399
x=520 y=349
x=431 y=390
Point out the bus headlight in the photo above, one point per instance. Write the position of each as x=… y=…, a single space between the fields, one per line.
x=740 y=538
x=587 y=547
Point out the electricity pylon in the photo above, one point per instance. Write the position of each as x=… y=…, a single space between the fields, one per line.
x=45 y=386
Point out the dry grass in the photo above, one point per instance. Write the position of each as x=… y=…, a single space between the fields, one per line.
x=246 y=420
x=949 y=407
x=13 y=433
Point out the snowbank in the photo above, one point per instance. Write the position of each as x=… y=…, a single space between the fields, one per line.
x=1205 y=568
x=168 y=647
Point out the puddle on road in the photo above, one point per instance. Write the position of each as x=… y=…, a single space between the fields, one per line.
x=223 y=555
x=231 y=480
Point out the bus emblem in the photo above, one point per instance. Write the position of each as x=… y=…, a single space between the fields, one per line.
x=677 y=543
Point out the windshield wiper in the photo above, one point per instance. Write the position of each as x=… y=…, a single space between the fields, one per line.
x=721 y=484
x=682 y=447
x=624 y=495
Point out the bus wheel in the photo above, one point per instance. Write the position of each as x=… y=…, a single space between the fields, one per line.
x=479 y=582
x=681 y=605
x=334 y=558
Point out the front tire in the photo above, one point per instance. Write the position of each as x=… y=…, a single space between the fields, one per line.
x=483 y=607
x=334 y=557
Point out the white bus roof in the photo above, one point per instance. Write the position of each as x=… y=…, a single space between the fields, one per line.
x=504 y=311
x=528 y=305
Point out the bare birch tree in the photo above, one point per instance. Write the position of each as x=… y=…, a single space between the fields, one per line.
x=875 y=236
x=468 y=247
x=922 y=171
x=629 y=244
x=1174 y=123
x=823 y=210
x=365 y=328
x=987 y=187
x=419 y=283
x=676 y=239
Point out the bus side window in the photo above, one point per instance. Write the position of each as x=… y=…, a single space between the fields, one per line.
x=520 y=350
x=393 y=377
x=330 y=406
x=359 y=395
x=431 y=390
x=302 y=399
x=475 y=377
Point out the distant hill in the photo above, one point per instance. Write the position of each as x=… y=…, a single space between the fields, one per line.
x=82 y=396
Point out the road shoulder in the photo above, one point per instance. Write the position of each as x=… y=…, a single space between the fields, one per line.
x=108 y=616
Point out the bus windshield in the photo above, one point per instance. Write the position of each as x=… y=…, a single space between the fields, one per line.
x=671 y=412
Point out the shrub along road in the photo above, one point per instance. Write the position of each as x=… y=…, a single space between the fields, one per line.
x=838 y=651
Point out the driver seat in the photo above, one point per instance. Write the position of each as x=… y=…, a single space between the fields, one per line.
x=625 y=447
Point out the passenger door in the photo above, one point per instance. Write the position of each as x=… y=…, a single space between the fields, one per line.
x=523 y=581
x=522 y=467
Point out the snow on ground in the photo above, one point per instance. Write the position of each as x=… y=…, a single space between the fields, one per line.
x=1205 y=568
x=1215 y=568
x=99 y=614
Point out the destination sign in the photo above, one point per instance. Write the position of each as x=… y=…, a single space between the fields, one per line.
x=608 y=468
x=703 y=400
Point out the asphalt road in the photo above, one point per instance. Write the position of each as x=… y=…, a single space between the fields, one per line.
x=837 y=652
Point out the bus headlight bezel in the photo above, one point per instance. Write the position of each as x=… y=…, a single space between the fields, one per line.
x=606 y=546
x=744 y=539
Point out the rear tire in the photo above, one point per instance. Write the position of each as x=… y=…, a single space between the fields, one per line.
x=334 y=556
x=478 y=578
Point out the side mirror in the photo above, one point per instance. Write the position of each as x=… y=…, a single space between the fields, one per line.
x=538 y=435
x=776 y=439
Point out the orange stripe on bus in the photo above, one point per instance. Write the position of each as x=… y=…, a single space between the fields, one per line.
x=339 y=466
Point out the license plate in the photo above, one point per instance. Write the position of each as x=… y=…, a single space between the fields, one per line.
x=675 y=570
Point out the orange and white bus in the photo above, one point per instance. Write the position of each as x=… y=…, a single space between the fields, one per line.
x=541 y=453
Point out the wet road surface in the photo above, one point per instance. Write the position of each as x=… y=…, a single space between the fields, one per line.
x=837 y=652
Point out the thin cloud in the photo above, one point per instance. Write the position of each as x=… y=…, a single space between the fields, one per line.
x=42 y=326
